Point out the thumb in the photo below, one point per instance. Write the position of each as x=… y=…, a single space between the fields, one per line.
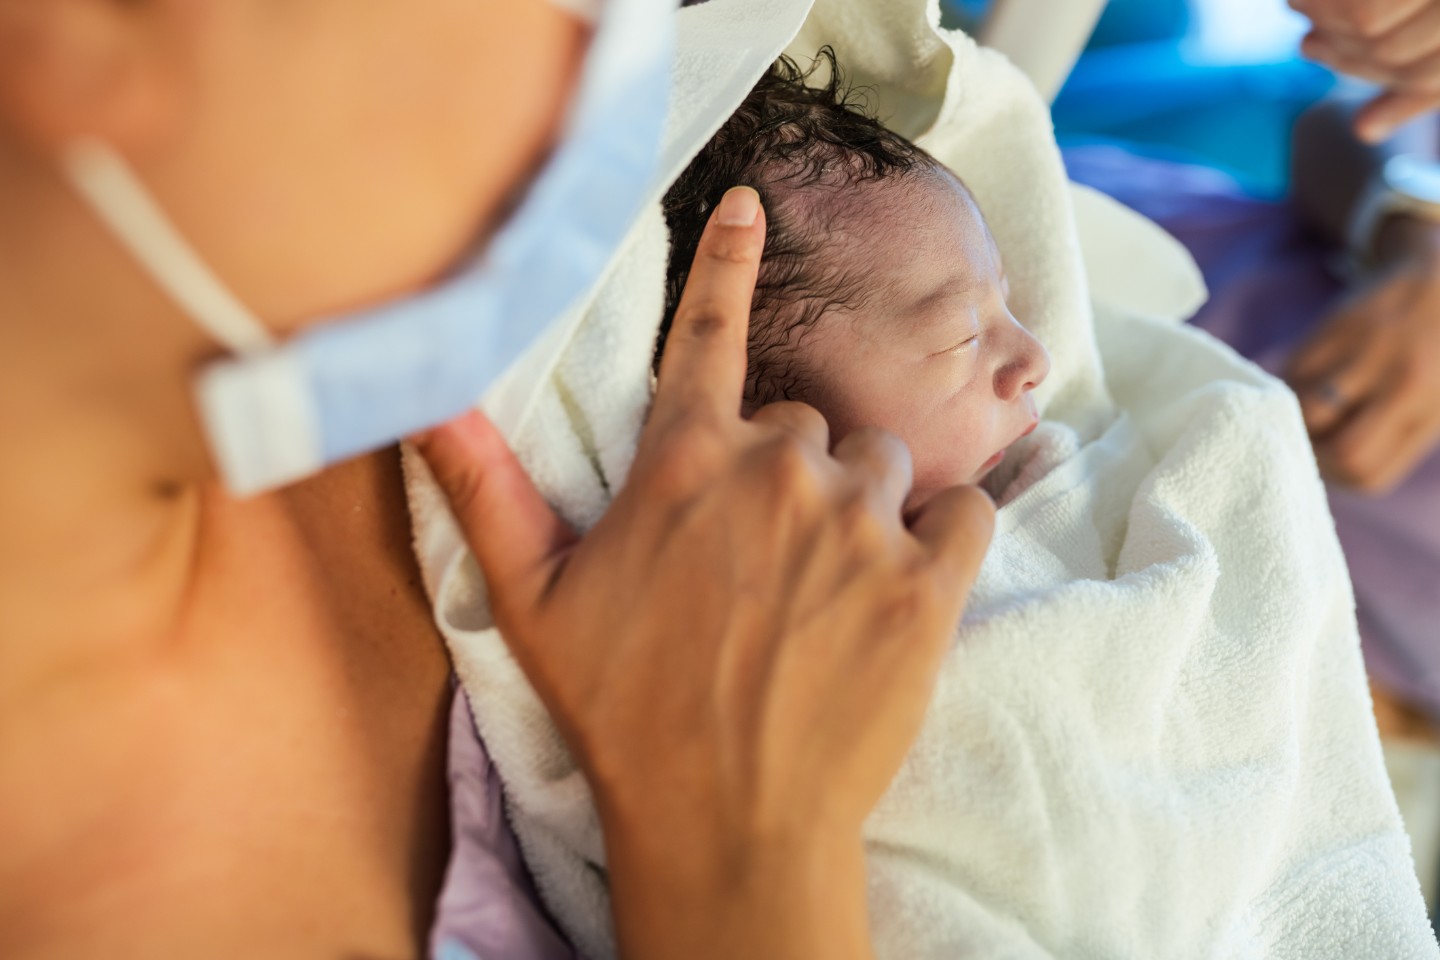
x=516 y=537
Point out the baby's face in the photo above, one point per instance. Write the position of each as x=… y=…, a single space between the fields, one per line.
x=932 y=353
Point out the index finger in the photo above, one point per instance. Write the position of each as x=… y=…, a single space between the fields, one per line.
x=703 y=367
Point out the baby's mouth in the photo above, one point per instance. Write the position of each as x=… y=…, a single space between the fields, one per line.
x=999 y=455
x=989 y=465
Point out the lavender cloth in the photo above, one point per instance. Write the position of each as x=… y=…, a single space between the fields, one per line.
x=488 y=908
x=1270 y=286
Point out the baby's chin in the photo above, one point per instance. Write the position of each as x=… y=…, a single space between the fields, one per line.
x=923 y=492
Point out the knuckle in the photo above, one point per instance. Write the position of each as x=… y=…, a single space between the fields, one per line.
x=863 y=526
x=683 y=462
x=790 y=416
x=875 y=455
x=700 y=319
x=806 y=416
x=870 y=435
x=788 y=467
x=882 y=445
x=1419 y=78
x=672 y=477
x=1366 y=20
x=1391 y=55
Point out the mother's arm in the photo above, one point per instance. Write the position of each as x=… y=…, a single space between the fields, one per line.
x=741 y=651
x=1369 y=378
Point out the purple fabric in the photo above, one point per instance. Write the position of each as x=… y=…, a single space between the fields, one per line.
x=1269 y=286
x=488 y=907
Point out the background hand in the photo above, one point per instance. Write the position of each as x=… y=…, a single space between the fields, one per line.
x=1394 y=43
x=741 y=651
x=1369 y=380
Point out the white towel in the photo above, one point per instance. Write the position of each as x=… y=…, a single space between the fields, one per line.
x=1152 y=736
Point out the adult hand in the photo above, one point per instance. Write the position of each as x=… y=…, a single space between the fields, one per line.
x=1394 y=43
x=741 y=651
x=1369 y=380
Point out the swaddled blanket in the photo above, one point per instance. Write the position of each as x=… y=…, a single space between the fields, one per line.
x=1151 y=738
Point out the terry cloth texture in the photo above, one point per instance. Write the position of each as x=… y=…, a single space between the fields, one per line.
x=1152 y=737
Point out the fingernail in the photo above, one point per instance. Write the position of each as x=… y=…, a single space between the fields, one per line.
x=738 y=208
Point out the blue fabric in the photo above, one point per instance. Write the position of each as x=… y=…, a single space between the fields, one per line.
x=1154 y=98
x=1140 y=21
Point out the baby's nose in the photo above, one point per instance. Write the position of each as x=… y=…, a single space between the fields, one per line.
x=1028 y=366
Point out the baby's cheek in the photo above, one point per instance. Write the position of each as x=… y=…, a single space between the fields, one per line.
x=937 y=470
x=949 y=448
x=946 y=434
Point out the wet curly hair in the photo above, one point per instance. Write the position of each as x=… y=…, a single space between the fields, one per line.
x=802 y=147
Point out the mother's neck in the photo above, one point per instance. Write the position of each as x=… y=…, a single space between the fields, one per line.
x=103 y=460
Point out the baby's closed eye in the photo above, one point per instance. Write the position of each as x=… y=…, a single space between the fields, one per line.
x=964 y=344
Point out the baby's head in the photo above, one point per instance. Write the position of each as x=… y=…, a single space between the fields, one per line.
x=881 y=297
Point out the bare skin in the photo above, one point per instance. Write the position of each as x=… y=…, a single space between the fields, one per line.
x=1379 y=351
x=736 y=737
x=1366 y=377
x=933 y=353
x=1381 y=347
x=221 y=722
x=260 y=775
x=1393 y=43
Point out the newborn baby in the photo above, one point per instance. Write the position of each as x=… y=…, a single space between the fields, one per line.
x=881 y=295
x=1149 y=738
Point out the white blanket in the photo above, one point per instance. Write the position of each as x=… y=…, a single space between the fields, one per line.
x=1152 y=736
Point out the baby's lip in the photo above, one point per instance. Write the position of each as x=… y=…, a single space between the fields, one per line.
x=999 y=455
x=1034 y=422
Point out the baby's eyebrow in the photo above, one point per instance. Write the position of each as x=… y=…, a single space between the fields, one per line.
x=956 y=287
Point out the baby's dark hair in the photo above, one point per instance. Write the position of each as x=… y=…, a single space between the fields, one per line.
x=786 y=136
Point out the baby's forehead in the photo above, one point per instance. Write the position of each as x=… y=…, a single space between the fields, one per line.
x=900 y=235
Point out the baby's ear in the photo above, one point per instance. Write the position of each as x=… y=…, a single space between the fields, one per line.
x=105 y=69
